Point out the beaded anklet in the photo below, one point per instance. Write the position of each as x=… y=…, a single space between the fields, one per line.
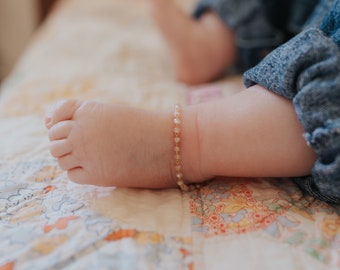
x=178 y=169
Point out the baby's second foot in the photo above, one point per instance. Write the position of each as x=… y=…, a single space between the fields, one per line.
x=201 y=49
x=110 y=145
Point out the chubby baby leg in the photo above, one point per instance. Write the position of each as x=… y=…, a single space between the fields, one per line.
x=111 y=145
x=201 y=49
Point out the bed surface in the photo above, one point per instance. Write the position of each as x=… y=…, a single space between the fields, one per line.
x=111 y=51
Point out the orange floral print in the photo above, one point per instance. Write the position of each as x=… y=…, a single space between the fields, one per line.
x=7 y=266
x=120 y=234
x=60 y=224
x=330 y=227
x=49 y=188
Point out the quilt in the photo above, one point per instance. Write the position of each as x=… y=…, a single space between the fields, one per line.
x=111 y=51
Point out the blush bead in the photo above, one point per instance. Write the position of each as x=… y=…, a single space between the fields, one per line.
x=179 y=175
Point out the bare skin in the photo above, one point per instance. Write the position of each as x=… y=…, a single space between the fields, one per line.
x=253 y=133
x=110 y=145
x=201 y=49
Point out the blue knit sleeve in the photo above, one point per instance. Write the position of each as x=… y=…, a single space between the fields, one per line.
x=306 y=70
x=233 y=13
x=245 y=17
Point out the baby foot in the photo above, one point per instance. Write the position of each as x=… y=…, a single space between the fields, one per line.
x=111 y=145
x=201 y=50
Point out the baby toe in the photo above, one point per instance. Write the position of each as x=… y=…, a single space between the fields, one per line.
x=79 y=176
x=63 y=110
x=60 y=148
x=60 y=130
x=68 y=162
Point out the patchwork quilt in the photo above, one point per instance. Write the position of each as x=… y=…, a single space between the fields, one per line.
x=111 y=51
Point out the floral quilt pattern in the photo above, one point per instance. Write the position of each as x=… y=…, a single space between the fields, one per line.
x=111 y=51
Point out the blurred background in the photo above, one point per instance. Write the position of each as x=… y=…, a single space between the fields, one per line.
x=18 y=21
